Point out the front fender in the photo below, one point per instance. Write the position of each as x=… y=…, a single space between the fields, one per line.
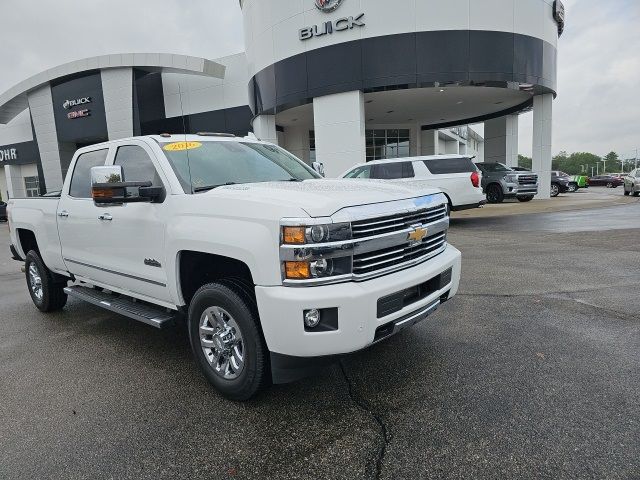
x=252 y=242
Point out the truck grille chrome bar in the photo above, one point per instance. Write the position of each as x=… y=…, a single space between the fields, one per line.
x=393 y=223
x=527 y=179
x=372 y=263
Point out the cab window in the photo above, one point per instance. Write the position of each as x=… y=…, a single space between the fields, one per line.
x=81 y=181
x=137 y=166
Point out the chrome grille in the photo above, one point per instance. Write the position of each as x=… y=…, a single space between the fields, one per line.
x=527 y=179
x=392 y=257
x=398 y=222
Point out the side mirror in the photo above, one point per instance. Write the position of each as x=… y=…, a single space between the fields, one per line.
x=108 y=187
x=318 y=167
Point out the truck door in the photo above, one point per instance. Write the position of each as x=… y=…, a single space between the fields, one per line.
x=78 y=226
x=134 y=233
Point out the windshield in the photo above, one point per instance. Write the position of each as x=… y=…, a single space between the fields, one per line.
x=203 y=166
x=494 y=167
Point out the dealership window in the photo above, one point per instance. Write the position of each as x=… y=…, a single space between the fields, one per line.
x=32 y=186
x=312 y=145
x=383 y=144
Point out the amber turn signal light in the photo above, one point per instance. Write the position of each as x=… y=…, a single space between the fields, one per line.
x=293 y=235
x=297 y=270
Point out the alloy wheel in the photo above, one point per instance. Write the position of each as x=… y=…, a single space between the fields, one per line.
x=35 y=281
x=554 y=190
x=222 y=343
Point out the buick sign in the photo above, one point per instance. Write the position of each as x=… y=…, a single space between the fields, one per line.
x=328 y=5
x=327 y=28
x=74 y=103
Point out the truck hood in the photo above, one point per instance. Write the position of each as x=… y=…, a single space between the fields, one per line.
x=322 y=198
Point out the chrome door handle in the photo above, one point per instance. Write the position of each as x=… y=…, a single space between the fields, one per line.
x=63 y=213
x=106 y=217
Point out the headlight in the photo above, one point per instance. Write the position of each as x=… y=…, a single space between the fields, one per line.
x=317 y=269
x=316 y=252
x=511 y=178
x=300 y=235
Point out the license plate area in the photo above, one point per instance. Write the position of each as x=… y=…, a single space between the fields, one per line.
x=397 y=301
x=408 y=320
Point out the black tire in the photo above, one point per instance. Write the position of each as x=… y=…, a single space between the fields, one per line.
x=495 y=193
x=528 y=198
x=234 y=297
x=573 y=187
x=636 y=194
x=609 y=185
x=52 y=297
x=555 y=190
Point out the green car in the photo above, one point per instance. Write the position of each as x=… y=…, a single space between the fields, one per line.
x=577 y=182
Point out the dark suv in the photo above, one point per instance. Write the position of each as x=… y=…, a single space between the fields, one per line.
x=560 y=182
x=500 y=182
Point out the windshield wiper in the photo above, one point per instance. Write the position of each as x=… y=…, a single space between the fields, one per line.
x=292 y=180
x=211 y=187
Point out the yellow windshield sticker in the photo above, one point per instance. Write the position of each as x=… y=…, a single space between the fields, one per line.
x=181 y=146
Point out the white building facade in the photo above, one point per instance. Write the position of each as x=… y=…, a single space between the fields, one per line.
x=337 y=81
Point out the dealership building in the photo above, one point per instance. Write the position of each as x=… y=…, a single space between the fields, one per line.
x=335 y=81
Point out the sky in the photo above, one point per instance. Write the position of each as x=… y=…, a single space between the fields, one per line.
x=598 y=104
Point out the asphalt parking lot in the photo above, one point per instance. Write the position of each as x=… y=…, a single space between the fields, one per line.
x=532 y=371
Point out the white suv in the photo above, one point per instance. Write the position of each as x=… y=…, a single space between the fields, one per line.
x=456 y=175
x=632 y=183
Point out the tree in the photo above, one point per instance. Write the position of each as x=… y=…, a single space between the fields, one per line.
x=525 y=162
x=612 y=159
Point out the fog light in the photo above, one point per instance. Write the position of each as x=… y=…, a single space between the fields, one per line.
x=312 y=318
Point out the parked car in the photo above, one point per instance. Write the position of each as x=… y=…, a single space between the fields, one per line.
x=560 y=182
x=632 y=183
x=608 y=181
x=500 y=182
x=456 y=176
x=580 y=181
x=3 y=211
x=274 y=269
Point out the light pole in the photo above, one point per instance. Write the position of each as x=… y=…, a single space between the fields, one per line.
x=604 y=167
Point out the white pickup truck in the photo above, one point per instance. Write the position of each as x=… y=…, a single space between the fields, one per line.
x=275 y=270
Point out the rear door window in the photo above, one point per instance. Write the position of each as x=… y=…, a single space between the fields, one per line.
x=450 y=165
x=393 y=171
x=81 y=180
x=360 y=172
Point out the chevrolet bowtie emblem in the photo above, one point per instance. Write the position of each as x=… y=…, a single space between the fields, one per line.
x=418 y=234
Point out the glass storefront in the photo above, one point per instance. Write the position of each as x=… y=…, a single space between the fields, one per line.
x=31 y=186
x=383 y=144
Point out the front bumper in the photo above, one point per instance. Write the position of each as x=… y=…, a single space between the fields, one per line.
x=281 y=308
x=513 y=190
